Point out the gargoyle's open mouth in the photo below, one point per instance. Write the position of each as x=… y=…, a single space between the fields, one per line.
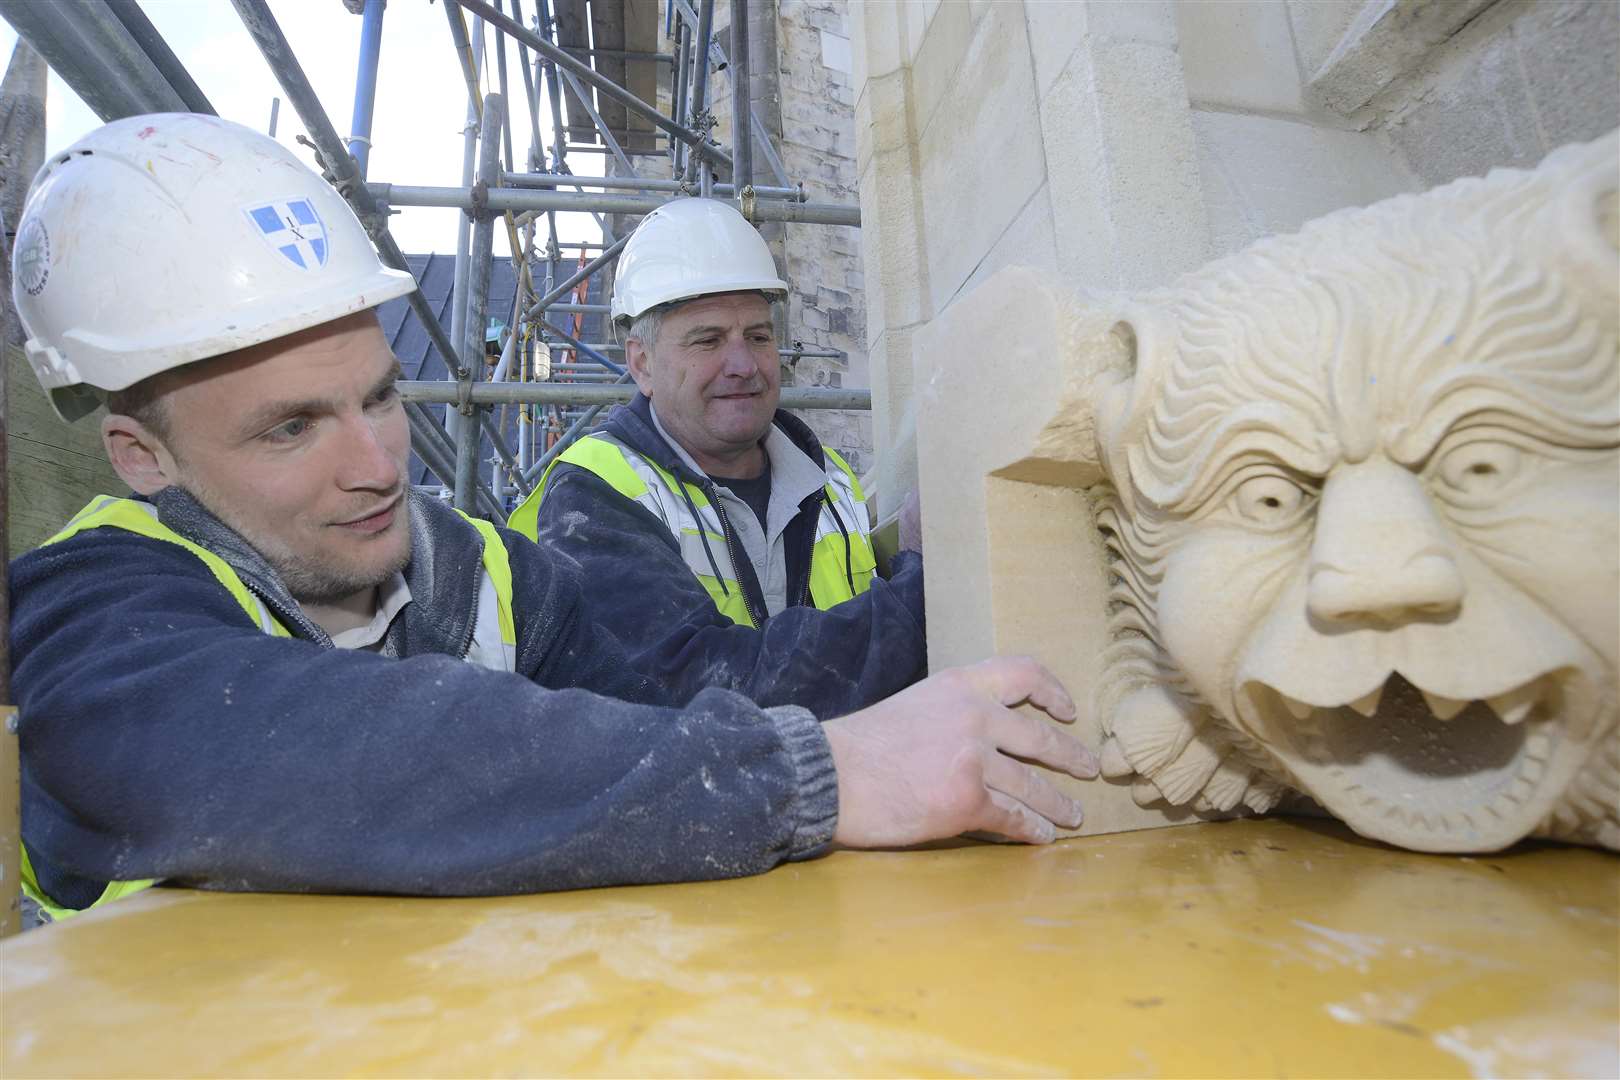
x=1429 y=772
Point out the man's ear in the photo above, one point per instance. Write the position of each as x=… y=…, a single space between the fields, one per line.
x=137 y=455
x=639 y=361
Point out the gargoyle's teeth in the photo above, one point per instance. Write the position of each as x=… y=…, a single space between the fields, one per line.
x=1368 y=705
x=1444 y=708
x=1514 y=705
x=1297 y=709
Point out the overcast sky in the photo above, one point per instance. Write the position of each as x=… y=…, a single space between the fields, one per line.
x=421 y=97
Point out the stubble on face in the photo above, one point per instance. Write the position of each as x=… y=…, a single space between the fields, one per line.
x=713 y=377
x=301 y=502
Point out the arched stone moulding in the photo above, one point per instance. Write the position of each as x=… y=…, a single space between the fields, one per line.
x=1337 y=515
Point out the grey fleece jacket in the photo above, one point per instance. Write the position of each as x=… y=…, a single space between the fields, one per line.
x=164 y=735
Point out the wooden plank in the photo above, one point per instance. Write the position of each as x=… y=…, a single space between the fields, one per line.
x=52 y=469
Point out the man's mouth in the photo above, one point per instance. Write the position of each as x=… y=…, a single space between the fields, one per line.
x=375 y=520
x=1423 y=770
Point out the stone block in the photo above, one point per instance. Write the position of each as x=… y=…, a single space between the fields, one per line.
x=918 y=16
x=1122 y=168
x=982 y=157
x=894 y=423
x=1058 y=27
x=1385 y=42
x=1570 y=56
x=1148 y=22
x=1475 y=115
x=835 y=52
x=941 y=65
x=1264 y=175
x=874 y=40
x=883 y=117
x=1027 y=242
x=897 y=286
x=1055 y=28
x=1017 y=565
x=1318 y=27
x=1239 y=55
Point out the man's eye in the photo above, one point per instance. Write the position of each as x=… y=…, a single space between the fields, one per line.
x=1480 y=468
x=385 y=397
x=289 y=430
x=1268 y=499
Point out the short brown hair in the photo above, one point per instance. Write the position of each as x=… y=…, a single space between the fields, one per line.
x=144 y=402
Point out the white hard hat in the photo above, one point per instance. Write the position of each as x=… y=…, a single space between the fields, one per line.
x=688 y=248
x=159 y=240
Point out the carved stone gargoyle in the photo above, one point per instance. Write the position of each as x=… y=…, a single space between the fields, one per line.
x=1358 y=497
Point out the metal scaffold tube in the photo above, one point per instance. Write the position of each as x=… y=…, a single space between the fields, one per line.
x=560 y=291
x=430 y=444
x=638 y=183
x=518 y=200
x=742 y=148
x=106 y=62
x=272 y=43
x=365 y=83
x=700 y=78
x=537 y=393
x=589 y=75
x=472 y=345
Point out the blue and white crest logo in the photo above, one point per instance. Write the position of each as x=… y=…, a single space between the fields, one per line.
x=293 y=228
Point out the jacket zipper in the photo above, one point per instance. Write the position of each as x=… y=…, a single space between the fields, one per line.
x=821 y=500
x=731 y=549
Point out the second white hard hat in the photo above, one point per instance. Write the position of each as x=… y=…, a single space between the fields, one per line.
x=159 y=240
x=689 y=248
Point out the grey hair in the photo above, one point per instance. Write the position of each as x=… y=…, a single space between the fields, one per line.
x=646 y=327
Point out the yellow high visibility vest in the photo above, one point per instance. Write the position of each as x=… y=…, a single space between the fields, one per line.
x=832 y=579
x=494 y=637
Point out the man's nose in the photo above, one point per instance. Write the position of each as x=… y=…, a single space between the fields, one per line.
x=368 y=462
x=1381 y=554
x=739 y=361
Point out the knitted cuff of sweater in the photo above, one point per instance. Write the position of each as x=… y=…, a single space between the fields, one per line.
x=816 y=810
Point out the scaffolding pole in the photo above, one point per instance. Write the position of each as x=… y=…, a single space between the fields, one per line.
x=365 y=83
x=518 y=199
x=472 y=354
x=434 y=392
x=640 y=183
x=272 y=43
x=742 y=142
x=588 y=74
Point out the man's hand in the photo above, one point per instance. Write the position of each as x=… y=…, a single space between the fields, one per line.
x=911 y=523
x=939 y=759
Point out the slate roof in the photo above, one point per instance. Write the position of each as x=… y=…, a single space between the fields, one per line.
x=435 y=274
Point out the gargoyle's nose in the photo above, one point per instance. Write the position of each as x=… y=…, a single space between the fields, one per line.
x=1381 y=555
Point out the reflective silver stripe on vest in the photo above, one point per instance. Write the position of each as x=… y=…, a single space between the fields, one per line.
x=487 y=648
x=669 y=506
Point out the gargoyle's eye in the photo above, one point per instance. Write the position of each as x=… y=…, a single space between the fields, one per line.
x=1479 y=468
x=1268 y=499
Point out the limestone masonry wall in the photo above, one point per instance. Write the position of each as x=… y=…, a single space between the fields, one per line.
x=1122 y=144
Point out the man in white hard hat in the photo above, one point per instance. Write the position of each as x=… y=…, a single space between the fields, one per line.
x=275 y=667
x=724 y=544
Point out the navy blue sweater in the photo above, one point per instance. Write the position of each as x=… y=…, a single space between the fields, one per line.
x=163 y=735
x=831 y=662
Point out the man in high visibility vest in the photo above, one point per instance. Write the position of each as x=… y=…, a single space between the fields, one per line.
x=275 y=667
x=723 y=544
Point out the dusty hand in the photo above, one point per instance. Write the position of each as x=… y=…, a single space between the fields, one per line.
x=938 y=759
x=911 y=523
